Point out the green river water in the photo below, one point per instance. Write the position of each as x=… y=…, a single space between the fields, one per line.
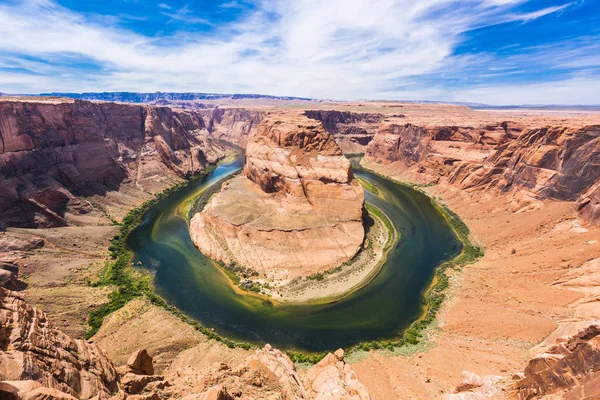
x=380 y=310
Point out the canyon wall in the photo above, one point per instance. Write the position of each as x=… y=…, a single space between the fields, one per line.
x=296 y=209
x=53 y=155
x=33 y=353
x=529 y=164
x=233 y=125
x=352 y=131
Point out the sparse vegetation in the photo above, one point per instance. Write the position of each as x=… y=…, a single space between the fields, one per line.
x=434 y=296
x=129 y=283
x=368 y=186
x=305 y=358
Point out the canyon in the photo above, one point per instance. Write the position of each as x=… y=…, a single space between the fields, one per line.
x=523 y=319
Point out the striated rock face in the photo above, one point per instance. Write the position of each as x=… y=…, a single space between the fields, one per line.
x=529 y=164
x=234 y=125
x=570 y=368
x=51 y=154
x=296 y=210
x=31 y=349
x=402 y=143
x=352 y=131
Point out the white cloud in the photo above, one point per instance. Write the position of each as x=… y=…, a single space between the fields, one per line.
x=577 y=91
x=326 y=49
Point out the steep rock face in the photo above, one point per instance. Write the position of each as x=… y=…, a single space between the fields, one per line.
x=51 y=154
x=543 y=163
x=296 y=210
x=31 y=349
x=570 y=368
x=396 y=142
x=234 y=125
x=352 y=131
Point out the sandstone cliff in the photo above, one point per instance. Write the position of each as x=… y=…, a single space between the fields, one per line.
x=31 y=349
x=570 y=368
x=529 y=164
x=352 y=131
x=296 y=210
x=233 y=125
x=55 y=154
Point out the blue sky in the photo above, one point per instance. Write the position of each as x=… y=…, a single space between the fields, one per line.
x=489 y=51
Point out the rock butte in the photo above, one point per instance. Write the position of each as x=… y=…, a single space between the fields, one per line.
x=295 y=210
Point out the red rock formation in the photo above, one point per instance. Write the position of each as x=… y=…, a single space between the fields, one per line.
x=544 y=163
x=234 y=125
x=51 y=153
x=571 y=368
x=332 y=378
x=31 y=349
x=270 y=374
x=352 y=131
x=296 y=210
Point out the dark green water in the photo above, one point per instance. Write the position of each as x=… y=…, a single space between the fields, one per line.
x=380 y=310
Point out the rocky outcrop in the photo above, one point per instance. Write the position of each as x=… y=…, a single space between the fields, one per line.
x=571 y=368
x=530 y=165
x=31 y=349
x=332 y=378
x=54 y=154
x=399 y=143
x=296 y=209
x=140 y=363
x=270 y=374
x=352 y=131
x=474 y=387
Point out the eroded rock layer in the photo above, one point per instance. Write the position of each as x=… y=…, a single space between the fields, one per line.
x=52 y=154
x=530 y=164
x=294 y=211
x=31 y=349
x=352 y=131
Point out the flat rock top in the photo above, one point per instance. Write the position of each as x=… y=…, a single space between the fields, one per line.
x=241 y=202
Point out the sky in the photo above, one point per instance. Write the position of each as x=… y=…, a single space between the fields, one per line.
x=487 y=51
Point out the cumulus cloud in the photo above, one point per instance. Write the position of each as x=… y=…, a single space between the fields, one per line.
x=337 y=49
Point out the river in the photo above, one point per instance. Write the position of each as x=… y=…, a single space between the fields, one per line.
x=380 y=310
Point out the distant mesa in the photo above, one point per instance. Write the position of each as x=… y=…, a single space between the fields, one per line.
x=295 y=210
x=134 y=97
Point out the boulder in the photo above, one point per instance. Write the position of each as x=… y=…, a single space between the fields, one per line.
x=135 y=384
x=140 y=362
x=470 y=381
